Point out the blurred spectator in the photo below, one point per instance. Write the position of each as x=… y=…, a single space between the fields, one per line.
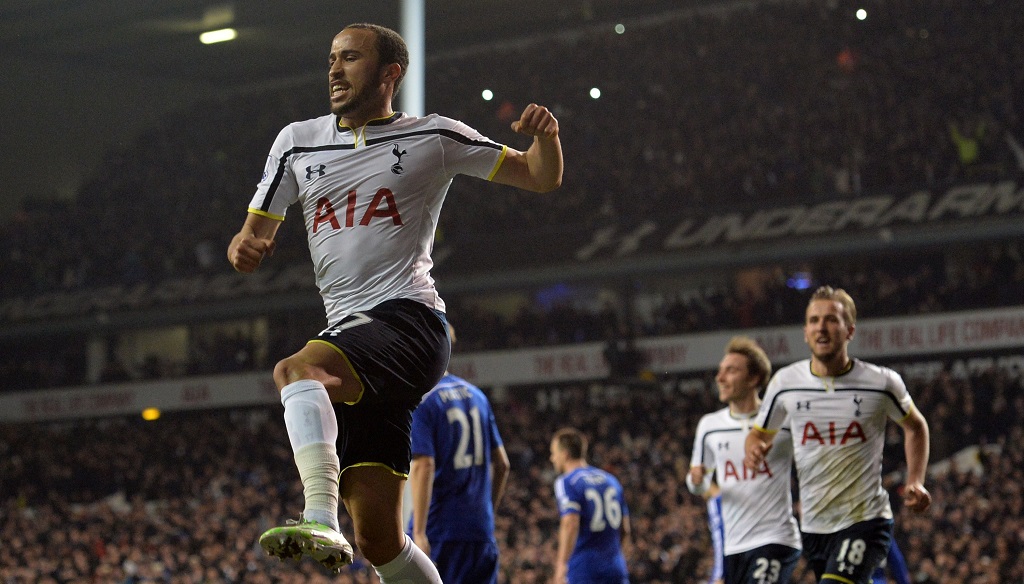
x=903 y=284
x=119 y=500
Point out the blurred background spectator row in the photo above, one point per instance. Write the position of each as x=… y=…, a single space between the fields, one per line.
x=900 y=284
x=121 y=500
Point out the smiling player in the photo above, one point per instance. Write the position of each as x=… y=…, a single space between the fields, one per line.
x=762 y=541
x=837 y=408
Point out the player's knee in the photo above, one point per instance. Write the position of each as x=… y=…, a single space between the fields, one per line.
x=290 y=370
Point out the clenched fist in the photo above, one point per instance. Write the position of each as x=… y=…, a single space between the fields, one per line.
x=538 y=121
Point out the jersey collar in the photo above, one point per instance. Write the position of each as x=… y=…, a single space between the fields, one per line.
x=746 y=416
x=374 y=122
x=847 y=369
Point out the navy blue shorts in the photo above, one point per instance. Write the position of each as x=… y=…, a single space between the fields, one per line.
x=399 y=350
x=849 y=555
x=768 y=564
x=466 y=562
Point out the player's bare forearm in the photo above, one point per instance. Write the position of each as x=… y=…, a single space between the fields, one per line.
x=500 y=467
x=695 y=480
x=544 y=159
x=568 y=531
x=421 y=482
x=916 y=448
x=539 y=169
x=626 y=536
x=756 y=447
x=916 y=438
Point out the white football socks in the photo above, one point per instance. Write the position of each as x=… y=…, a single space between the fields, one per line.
x=313 y=432
x=412 y=566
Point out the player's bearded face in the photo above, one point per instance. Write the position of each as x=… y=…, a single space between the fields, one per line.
x=354 y=96
x=355 y=77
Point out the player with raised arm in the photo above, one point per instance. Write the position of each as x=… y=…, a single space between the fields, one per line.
x=594 y=522
x=459 y=469
x=762 y=540
x=370 y=183
x=837 y=408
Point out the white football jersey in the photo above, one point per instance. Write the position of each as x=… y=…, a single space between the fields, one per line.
x=370 y=199
x=757 y=507
x=838 y=432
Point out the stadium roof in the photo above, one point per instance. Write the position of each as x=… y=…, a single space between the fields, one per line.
x=275 y=37
x=82 y=75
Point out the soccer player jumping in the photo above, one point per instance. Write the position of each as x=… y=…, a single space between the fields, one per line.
x=370 y=183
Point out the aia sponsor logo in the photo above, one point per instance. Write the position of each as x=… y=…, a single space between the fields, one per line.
x=739 y=472
x=382 y=206
x=830 y=435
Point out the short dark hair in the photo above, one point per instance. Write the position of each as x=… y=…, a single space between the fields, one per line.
x=391 y=48
x=573 y=442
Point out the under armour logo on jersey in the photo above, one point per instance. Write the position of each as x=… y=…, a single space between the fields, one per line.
x=857 y=401
x=397 y=166
x=723 y=445
x=319 y=170
x=803 y=405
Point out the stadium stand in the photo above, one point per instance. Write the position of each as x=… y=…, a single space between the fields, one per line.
x=910 y=283
x=122 y=500
x=735 y=108
x=743 y=106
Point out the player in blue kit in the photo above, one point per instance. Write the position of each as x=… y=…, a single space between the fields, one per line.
x=895 y=564
x=594 y=518
x=458 y=475
x=713 y=498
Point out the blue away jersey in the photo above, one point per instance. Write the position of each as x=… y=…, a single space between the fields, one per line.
x=895 y=564
x=455 y=425
x=597 y=497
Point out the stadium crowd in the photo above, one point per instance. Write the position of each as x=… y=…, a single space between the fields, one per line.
x=896 y=284
x=733 y=107
x=753 y=103
x=903 y=284
x=183 y=499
